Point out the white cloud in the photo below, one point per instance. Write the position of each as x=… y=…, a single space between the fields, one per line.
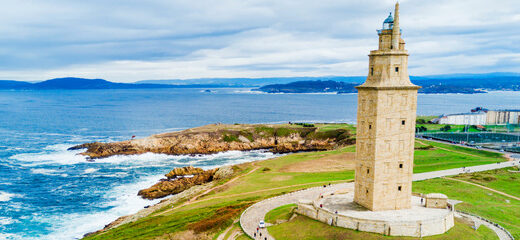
x=132 y=40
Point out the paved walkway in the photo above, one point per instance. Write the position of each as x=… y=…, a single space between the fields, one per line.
x=254 y=214
x=502 y=235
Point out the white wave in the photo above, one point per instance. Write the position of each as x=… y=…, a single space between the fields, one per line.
x=6 y=197
x=7 y=221
x=44 y=171
x=90 y=170
x=249 y=92
x=53 y=154
x=123 y=200
x=10 y=236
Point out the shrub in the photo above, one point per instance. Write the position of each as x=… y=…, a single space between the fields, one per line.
x=283 y=132
x=248 y=135
x=421 y=129
x=230 y=138
x=269 y=131
x=222 y=218
x=427 y=147
x=445 y=128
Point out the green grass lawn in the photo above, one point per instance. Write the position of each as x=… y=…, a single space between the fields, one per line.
x=304 y=228
x=333 y=126
x=437 y=128
x=270 y=180
x=445 y=156
x=425 y=118
x=280 y=213
x=500 y=209
x=499 y=179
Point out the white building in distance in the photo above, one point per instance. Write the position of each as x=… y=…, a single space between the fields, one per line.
x=481 y=116
x=464 y=119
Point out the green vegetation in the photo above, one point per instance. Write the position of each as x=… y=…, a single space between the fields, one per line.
x=443 y=128
x=305 y=228
x=445 y=156
x=305 y=124
x=282 y=213
x=322 y=127
x=506 y=180
x=503 y=128
x=495 y=207
x=424 y=119
x=230 y=138
x=210 y=214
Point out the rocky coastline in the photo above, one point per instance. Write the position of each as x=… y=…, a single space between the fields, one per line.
x=185 y=182
x=220 y=137
x=180 y=179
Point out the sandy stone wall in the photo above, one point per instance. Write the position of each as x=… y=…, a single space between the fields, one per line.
x=405 y=228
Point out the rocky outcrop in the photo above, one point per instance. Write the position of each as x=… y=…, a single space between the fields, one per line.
x=183 y=171
x=217 y=138
x=178 y=180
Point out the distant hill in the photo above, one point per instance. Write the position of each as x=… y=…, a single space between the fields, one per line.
x=83 y=83
x=456 y=83
x=8 y=84
x=255 y=82
x=309 y=87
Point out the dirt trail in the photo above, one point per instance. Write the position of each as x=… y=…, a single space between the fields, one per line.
x=484 y=187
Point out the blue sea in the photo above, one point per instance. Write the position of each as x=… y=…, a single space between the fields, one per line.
x=47 y=192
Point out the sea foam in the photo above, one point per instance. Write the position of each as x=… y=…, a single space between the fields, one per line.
x=6 y=197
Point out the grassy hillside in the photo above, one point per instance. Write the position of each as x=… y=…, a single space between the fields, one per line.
x=210 y=214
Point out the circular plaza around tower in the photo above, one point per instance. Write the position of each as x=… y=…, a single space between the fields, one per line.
x=339 y=209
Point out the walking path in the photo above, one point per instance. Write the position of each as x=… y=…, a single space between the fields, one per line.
x=223 y=234
x=502 y=235
x=254 y=214
x=484 y=187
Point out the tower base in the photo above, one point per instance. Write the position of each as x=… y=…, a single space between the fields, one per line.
x=339 y=209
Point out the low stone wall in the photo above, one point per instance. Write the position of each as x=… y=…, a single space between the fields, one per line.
x=410 y=228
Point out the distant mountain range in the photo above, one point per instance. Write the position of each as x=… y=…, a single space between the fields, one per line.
x=452 y=83
x=82 y=83
x=254 y=82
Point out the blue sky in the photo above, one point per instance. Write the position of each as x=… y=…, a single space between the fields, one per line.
x=130 y=40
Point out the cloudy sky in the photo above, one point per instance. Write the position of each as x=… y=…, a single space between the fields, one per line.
x=130 y=40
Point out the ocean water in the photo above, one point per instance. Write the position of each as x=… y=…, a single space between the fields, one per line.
x=47 y=192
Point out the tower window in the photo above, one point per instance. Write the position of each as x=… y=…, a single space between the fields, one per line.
x=399 y=188
x=403 y=122
x=368 y=171
x=371 y=71
x=396 y=69
x=367 y=191
x=369 y=126
x=400 y=165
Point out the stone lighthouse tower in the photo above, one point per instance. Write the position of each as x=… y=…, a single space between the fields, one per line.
x=387 y=104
